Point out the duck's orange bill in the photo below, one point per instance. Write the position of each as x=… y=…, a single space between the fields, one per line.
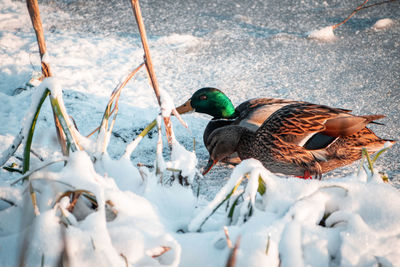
x=184 y=108
x=210 y=164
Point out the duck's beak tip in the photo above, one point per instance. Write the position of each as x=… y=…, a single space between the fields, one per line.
x=210 y=164
x=185 y=107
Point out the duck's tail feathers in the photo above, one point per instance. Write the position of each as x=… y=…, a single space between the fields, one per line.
x=390 y=142
x=373 y=148
x=373 y=118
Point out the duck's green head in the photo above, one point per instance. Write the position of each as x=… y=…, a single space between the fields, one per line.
x=210 y=101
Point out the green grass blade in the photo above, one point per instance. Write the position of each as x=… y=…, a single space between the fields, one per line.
x=261 y=186
x=132 y=146
x=28 y=144
x=27 y=174
x=222 y=202
x=370 y=163
x=148 y=128
x=379 y=153
x=232 y=209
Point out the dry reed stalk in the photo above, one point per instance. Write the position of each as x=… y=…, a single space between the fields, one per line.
x=78 y=192
x=125 y=259
x=352 y=14
x=233 y=255
x=149 y=65
x=73 y=200
x=117 y=91
x=6 y=155
x=33 y=9
x=115 y=96
x=228 y=239
x=27 y=174
x=160 y=251
x=378 y=4
x=34 y=200
x=92 y=132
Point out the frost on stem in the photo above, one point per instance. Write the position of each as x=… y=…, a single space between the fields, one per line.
x=168 y=107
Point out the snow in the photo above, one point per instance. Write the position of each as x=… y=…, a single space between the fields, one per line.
x=167 y=104
x=325 y=34
x=132 y=210
x=383 y=24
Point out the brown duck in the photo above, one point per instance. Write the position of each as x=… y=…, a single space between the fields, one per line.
x=299 y=139
x=295 y=138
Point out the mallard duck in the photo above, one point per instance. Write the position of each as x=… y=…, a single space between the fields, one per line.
x=250 y=114
x=299 y=139
x=332 y=136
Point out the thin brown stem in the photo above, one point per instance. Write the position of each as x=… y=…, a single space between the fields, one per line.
x=95 y=130
x=233 y=255
x=149 y=64
x=147 y=57
x=74 y=199
x=112 y=108
x=228 y=239
x=162 y=250
x=378 y=4
x=33 y=8
x=122 y=85
x=352 y=14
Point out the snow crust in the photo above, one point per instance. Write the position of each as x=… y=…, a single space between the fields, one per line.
x=383 y=24
x=325 y=34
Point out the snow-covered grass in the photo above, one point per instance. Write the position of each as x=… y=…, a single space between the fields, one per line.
x=122 y=212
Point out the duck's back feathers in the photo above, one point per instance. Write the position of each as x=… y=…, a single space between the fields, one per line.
x=297 y=123
x=314 y=126
x=300 y=118
x=252 y=113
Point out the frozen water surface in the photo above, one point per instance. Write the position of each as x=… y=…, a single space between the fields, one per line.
x=256 y=49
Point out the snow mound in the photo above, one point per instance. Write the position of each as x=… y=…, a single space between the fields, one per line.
x=105 y=226
x=383 y=24
x=325 y=34
x=345 y=221
x=179 y=41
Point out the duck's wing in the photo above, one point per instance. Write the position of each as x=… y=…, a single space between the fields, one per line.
x=314 y=126
x=252 y=113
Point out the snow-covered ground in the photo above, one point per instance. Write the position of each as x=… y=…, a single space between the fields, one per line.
x=247 y=49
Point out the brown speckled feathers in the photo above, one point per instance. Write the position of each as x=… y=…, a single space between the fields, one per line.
x=298 y=139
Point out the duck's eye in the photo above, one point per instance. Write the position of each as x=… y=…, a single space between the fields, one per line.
x=203 y=97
